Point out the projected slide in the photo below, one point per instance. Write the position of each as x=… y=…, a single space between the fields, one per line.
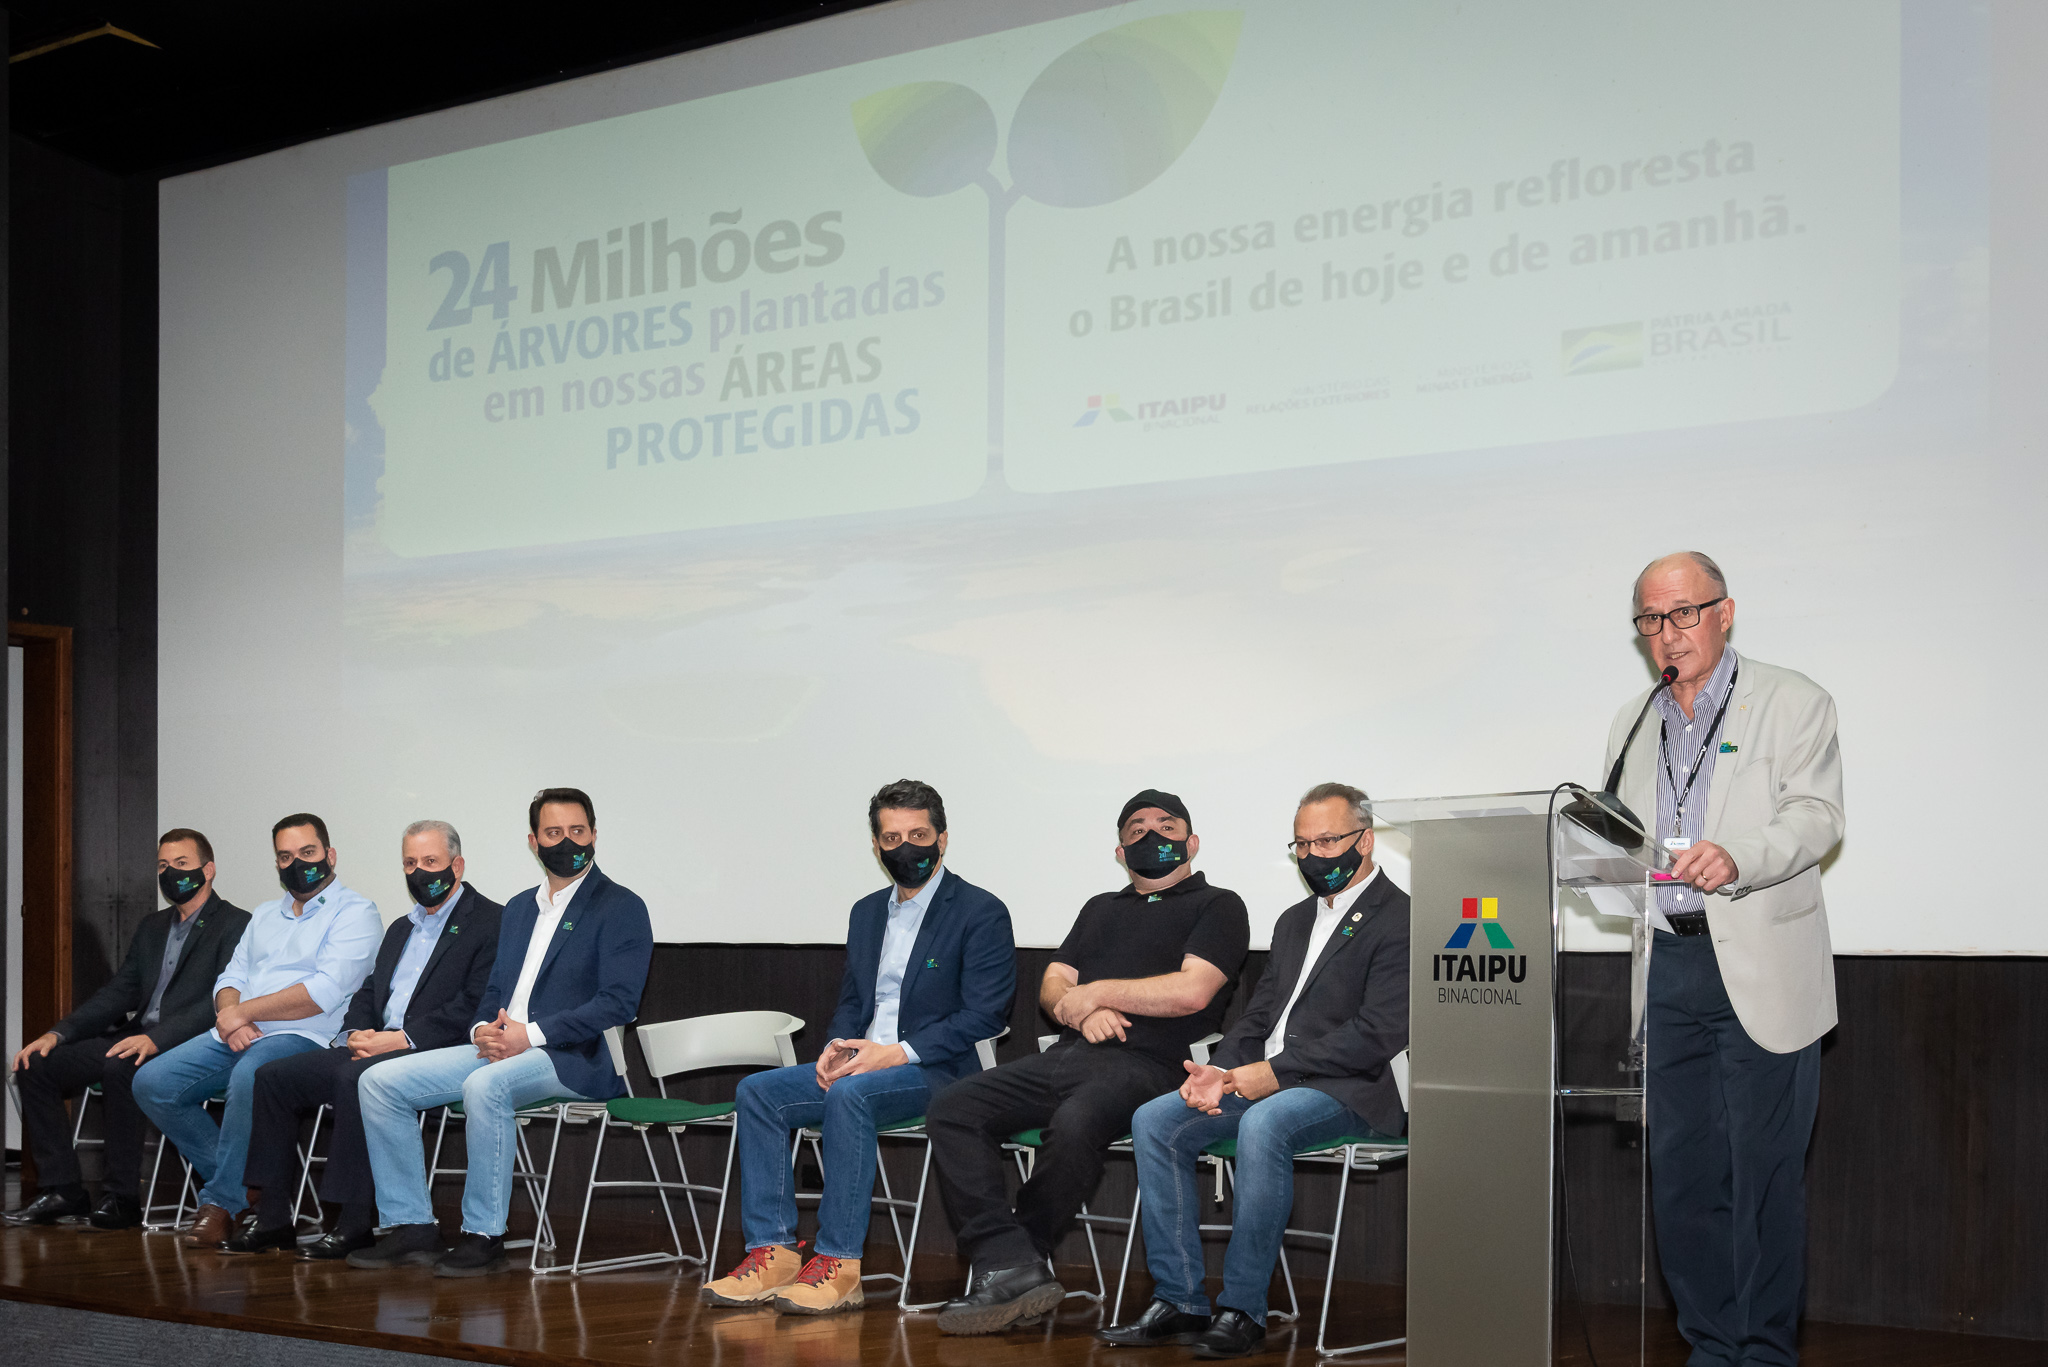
x=1112 y=250
x=1049 y=400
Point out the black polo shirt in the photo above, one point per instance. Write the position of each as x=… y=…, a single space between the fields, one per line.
x=1131 y=934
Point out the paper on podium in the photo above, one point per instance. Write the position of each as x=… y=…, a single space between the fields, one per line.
x=1612 y=878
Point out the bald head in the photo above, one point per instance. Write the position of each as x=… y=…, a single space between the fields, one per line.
x=1714 y=584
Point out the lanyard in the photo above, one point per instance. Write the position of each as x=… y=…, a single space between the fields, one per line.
x=1664 y=750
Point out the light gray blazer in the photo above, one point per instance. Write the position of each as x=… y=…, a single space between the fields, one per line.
x=1776 y=807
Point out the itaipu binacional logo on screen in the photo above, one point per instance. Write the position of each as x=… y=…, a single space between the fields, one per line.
x=1481 y=970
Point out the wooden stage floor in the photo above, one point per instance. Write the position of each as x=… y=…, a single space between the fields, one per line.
x=651 y=1316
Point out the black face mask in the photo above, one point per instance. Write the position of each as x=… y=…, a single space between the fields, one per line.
x=1327 y=877
x=1152 y=855
x=430 y=888
x=300 y=878
x=179 y=885
x=911 y=866
x=565 y=858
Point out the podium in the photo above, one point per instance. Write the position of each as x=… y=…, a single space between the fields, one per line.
x=1486 y=1099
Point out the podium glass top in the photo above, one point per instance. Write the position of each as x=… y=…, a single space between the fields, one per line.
x=1406 y=811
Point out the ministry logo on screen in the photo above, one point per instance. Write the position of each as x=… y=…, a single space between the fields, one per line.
x=1611 y=346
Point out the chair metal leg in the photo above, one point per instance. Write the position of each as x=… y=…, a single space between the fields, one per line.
x=1330 y=1274
x=724 y=1191
x=916 y=1219
x=589 y=1190
x=306 y=1161
x=661 y=1190
x=1130 y=1240
x=675 y=1142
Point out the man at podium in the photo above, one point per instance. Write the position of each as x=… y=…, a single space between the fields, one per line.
x=1744 y=779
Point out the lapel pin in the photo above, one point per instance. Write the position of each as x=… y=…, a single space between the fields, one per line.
x=1358 y=916
x=568 y=925
x=1349 y=929
x=931 y=963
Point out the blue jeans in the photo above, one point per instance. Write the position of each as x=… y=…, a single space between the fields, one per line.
x=392 y=1096
x=1730 y=1122
x=172 y=1089
x=1169 y=1135
x=773 y=1103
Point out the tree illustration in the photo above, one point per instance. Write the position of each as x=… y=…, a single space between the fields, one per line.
x=1105 y=119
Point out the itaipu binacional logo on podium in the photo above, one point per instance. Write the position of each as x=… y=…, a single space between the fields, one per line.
x=1481 y=970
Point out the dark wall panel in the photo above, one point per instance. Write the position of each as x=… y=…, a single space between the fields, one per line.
x=82 y=508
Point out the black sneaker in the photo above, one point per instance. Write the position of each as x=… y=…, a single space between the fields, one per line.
x=254 y=1240
x=1002 y=1298
x=478 y=1255
x=116 y=1212
x=419 y=1245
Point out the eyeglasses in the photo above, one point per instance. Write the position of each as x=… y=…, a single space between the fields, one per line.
x=1325 y=845
x=1685 y=617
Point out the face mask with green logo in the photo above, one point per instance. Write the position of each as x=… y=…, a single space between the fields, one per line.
x=1154 y=856
x=911 y=866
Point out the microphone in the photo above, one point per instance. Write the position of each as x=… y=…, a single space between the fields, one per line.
x=1603 y=813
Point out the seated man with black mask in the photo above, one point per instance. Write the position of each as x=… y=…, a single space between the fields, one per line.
x=430 y=973
x=571 y=963
x=1145 y=972
x=930 y=969
x=1309 y=1063
x=162 y=997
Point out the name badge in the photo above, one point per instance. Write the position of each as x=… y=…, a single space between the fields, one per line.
x=1675 y=843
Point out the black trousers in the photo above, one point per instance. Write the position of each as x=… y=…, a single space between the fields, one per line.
x=1729 y=1126
x=65 y=1072
x=289 y=1090
x=1082 y=1095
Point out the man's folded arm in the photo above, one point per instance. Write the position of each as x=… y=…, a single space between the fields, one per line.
x=1183 y=992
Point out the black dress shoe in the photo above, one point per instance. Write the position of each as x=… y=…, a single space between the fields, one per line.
x=1162 y=1322
x=478 y=1255
x=1232 y=1334
x=419 y=1245
x=1000 y=1299
x=254 y=1240
x=48 y=1209
x=332 y=1248
x=116 y=1212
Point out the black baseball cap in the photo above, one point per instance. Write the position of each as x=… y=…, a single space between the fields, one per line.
x=1152 y=797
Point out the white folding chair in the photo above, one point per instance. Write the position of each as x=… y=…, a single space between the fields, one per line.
x=733 y=1039
x=188 y=1186
x=912 y=1130
x=537 y=1179
x=1347 y=1154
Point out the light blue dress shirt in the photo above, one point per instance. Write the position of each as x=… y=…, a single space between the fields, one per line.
x=419 y=947
x=330 y=948
x=906 y=918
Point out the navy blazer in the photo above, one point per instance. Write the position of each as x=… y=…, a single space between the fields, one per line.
x=590 y=981
x=460 y=963
x=957 y=987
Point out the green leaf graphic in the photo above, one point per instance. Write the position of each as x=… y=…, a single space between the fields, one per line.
x=1112 y=113
x=928 y=137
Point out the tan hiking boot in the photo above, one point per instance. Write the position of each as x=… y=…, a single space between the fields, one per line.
x=825 y=1287
x=762 y=1273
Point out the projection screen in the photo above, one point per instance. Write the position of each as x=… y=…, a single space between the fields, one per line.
x=1050 y=400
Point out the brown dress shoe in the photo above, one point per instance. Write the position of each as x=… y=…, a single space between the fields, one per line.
x=210 y=1227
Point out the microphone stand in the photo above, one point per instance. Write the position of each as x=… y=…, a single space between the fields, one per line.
x=1603 y=813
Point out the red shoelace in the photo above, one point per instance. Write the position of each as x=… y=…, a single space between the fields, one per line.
x=818 y=1271
x=756 y=1261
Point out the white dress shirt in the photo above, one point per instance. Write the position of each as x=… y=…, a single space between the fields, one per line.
x=551 y=909
x=1329 y=911
x=906 y=918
